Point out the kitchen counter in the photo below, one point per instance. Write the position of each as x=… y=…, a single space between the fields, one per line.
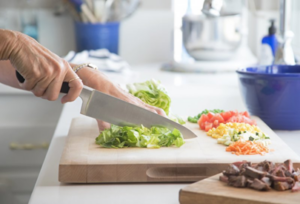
x=190 y=94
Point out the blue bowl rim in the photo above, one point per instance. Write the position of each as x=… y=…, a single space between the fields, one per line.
x=290 y=75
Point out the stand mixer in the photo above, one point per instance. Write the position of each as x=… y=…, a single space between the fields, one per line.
x=214 y=40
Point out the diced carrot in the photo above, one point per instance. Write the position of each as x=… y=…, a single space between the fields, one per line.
x=247 y=148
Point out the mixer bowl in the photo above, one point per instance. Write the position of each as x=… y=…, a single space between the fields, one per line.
x=211 y=38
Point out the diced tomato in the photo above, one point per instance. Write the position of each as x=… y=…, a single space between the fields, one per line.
x=249 y=121
x=233 y=113
x=202 y=120
x=216 y=123
x=226 y=115
x=241 y=119
x=246 y=114
x=219 y=118
x=208 y=126
x=210 y=115
x=202 y=126
x=210 y=120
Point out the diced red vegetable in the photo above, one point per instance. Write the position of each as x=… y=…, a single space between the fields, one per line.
x=210 y=120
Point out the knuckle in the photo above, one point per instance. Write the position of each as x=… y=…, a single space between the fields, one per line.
x=38 y=93
x=36 y=74
x=64 y=63
x=58 y=71
x=79 y=85
x=52 y=98
x=160 y=111
x=59 y=68
x=48 y=72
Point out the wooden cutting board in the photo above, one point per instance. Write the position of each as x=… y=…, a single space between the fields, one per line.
x=83 y=161
x=212 y=191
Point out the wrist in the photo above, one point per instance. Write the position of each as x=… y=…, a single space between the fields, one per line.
x=8 y=43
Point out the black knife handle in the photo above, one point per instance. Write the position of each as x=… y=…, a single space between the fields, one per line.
x=64 y=88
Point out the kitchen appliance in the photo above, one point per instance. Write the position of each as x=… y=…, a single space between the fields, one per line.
x=104 y=107
x=83 y=161
x=211 y=190
x=210 y=44
x=272 y=93
x=284 y=53
x=211 y=38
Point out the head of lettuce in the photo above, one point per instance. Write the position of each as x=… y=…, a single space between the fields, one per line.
x=152 y=93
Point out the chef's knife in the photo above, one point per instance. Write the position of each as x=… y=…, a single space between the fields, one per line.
x=104 y=107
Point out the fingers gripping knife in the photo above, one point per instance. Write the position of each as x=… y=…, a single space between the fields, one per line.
x=104 y=107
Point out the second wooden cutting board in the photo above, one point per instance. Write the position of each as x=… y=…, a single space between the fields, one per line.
x=212 y=191
x=83 y=161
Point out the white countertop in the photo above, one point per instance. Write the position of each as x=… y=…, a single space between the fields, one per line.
x=190 y=93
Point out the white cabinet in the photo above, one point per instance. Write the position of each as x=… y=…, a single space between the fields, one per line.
x=27 y=125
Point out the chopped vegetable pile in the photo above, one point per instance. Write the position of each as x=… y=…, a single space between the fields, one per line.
x=235 y=130
x=196 y=118
x=223 y=129
x=156 y=137
x=210 y=120
x=233 y=136
x=153 y=93
x=247 y=148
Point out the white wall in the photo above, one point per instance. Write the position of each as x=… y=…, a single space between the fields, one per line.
x=147 y=35
x=144 y=37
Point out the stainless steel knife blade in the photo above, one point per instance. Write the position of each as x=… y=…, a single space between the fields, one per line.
x=104 y=107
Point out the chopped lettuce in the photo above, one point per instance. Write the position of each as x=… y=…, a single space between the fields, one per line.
x=176 y=118
x=155 y=137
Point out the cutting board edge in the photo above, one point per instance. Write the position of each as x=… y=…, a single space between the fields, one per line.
x=139 y=173
x=186 y=197
x=211 y=191
x=68 y=174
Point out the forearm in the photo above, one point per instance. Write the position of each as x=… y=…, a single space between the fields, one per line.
x=7 y=43
x=7 y=71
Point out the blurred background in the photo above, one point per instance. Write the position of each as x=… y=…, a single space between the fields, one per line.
x=167 y=33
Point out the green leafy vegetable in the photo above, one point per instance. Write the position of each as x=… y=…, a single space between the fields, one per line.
x=155 y=137
x=196 y=118
x=176 y=118
x=152 y=93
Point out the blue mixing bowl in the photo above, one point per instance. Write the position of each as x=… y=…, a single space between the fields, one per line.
x=273 y=94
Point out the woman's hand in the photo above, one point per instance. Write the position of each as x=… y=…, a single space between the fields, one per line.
x=43 y=71
x=96 y=80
